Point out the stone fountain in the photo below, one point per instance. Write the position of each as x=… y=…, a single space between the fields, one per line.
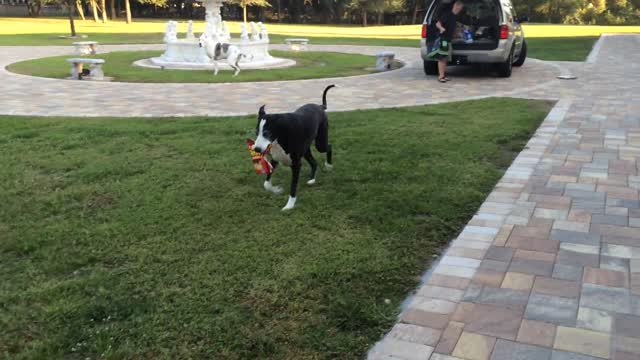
x=186 y=53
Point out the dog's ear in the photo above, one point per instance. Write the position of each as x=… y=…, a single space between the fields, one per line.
x=261 y=112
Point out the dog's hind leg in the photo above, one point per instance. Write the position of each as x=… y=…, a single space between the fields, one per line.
x=322 y=142
x=314 y=166
x=267 y=183
x=230 y=61
x=328 y=164
x=295 y=176
x=215 y=68
x=237 y=64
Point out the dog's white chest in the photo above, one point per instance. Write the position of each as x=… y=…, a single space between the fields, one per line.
x=278 y=154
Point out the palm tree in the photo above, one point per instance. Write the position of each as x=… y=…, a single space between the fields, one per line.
x=94 y=9
x=71 y=5
x=127 y=8
x=103 y=5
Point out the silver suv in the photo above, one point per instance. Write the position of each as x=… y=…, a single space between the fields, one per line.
x=487 y=31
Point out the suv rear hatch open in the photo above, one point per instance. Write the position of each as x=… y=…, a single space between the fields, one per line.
x=481 y=18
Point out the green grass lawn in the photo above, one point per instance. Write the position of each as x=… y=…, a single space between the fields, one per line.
x=310 y=65
x=560 y=48
x=552 y=48
x=153 y=238
x=543 y=48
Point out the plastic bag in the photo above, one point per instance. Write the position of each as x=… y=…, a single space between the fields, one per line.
x=467 y=35
x=435 y=45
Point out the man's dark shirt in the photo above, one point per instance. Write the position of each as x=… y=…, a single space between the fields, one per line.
x=448 y=21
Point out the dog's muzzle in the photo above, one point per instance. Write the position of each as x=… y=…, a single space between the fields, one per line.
x=260 y=150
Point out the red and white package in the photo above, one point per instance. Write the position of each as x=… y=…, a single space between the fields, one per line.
x=260 y=162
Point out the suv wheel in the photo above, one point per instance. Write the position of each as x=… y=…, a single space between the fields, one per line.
x=523 y=55
x=430 y=67
x=504 y=69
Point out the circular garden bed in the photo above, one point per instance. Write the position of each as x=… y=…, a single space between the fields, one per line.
x=119 y=66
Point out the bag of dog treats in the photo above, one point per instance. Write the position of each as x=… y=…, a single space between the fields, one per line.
x=260 y=162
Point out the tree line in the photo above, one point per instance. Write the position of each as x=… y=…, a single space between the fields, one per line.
x=365 y=12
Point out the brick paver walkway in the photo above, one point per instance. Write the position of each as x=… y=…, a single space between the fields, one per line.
x=549 y=267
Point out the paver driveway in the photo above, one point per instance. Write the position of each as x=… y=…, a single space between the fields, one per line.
x=549 y=267
x=408 y=86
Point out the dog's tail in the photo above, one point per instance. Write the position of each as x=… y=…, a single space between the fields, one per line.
x=324 y=96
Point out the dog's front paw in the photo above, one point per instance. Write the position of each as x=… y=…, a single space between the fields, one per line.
x=274 y=189
x=290 y=204
x=311 y=182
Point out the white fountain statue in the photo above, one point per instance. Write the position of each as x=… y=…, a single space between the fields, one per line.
x=255 y=35
x=186 y=53
x=190 y=35
x=225 y=32
x=264 y=36
x=171 y=32
x=244 y=35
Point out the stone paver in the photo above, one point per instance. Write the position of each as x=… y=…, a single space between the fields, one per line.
x=424 y=318
x=593 y=319
x=553 y=309
x=517 y=281
x=627 y=345
x=510 y=299
x=606 y=277
x=564 y=355
x=474 y=347
x=436 y=306
x=509 y=350
x=437 y=356
x=494 y=321
x=449 y=338
x=583 y=342
x=401 y=350
x=610 y=299
x=627 y=325
x=415 y=334
x=549 y=286
x=536 y=333
x=567 y=272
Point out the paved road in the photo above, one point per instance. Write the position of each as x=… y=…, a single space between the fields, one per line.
x=549 y=267
x=25 y=95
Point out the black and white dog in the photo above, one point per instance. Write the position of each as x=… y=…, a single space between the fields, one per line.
x=290 y=136
x=219 y=51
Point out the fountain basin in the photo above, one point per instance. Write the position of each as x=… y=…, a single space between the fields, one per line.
x=186 y=54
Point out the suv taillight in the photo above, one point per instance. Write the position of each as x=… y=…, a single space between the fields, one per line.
x=424 y=31
x=504 y=32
